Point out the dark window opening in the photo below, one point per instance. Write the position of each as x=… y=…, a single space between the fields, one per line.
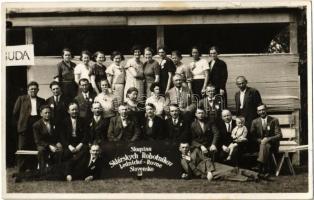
x=50 y=41
x=231 y=39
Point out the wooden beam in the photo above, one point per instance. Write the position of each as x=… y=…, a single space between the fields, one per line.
x=28 y=35
x=160 y=36
x=293 y=29
x=68 y=21
x=210 y=19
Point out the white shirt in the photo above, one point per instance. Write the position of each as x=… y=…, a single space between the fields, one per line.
x=82 y=70
x=175 y=121
x=150 y=122
x=198 y=68
x=57 y=99
x=264 y=122
x=73 y=127
x=124 y=123
x=34 y=107
x=202 y=124
x=242 y=94
x=85 y=95
x=96 y=118
x=212 y=64
x=92 y=159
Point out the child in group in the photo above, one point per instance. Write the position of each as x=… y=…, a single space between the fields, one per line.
x=238 y=135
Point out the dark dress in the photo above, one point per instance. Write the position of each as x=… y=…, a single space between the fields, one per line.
x=166 y=65
x=66 y=78
x=99 y=71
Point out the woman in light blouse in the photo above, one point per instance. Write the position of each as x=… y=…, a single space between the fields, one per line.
x=136 y=108
x=82 y=70
x=151 y=70
x=134 y=74
x=116 y=75
x=199 y=68
x=107 y=100
x=156 y=99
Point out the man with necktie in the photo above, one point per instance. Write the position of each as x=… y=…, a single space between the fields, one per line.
x=265 y=136
x=26 y=113
x=47 y=139
x=153 y=127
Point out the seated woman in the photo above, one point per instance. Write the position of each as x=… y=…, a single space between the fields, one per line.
x=157 y=100
x=136 y=108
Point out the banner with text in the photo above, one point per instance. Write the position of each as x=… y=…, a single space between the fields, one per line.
x=19 y=55
x=157 y=159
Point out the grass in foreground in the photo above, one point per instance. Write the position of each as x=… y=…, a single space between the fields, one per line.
x=283 y=183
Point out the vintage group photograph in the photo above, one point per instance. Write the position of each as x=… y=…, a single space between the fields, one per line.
x=157 y=99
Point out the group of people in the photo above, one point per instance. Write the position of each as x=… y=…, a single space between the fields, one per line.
x=166 y=100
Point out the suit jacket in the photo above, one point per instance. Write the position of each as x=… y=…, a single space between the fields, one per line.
x=252 y=99
x=273 y=131
x=66 y=132
x=22 y=110
x=184 y=100
x=198 y=166
x=78 y=167
x=41 y=135
x=97 y=131
x=225 y=137
x=85 y=106
x=59 y=111
x=178 y=133
x=213 y=113
x=117 y=132
x=156 y=132
x=218 y=75
x=207 y=138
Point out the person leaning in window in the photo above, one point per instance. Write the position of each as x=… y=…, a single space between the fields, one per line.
x=66 y=74
x=73 y=133
x=108 y=102
x=82 y=70
x=47 y=139
x=26 y=113
x=123 y=127
x=218 y=73
x=182 y=69
x=85 y=99
x=134 y=74
x=58 y=103
x=151 y=70
x=98 y=71
x=199 y=68
x=116 y=75
x=167 y=69
x=157 y=100
x=153 y=126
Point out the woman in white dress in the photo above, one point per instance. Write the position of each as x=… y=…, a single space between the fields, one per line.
x=82 y=70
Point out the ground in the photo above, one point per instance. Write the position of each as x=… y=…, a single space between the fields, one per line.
x=284 y=183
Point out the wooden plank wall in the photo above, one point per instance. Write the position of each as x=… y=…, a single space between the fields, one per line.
x=274 y=75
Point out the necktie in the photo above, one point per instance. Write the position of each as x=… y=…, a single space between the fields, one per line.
x=150 y=123
x=229 y=128
x=57 y=100
x=175 y=121
x=264 y=124
x=86 y=97
x=74 y=128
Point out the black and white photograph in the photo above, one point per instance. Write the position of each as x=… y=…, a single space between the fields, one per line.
x=157 y=100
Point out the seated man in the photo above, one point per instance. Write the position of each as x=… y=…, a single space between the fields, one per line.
x=195 y=164
x=153 y=127
x=73 y=132
x=176 y=128
x=85 y=100
x=97 y=127
x=265 y=136
x=47 y=139
x=87 y=166
x=123 y=127
x=205 y=135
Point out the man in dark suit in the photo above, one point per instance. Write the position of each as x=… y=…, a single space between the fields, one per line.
x=73 y=132
x=26 y=113
x=218 y=73
x=153 y=127
x=225 y=126
x=205 y=135
x=266 y=134
x=212 y=105
x=246 y=100
x=123 y=127
x=177 y=128
x=87 y=166
x=98 y=127
x=85 y=100
x=58 y=103
x=47 y=139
